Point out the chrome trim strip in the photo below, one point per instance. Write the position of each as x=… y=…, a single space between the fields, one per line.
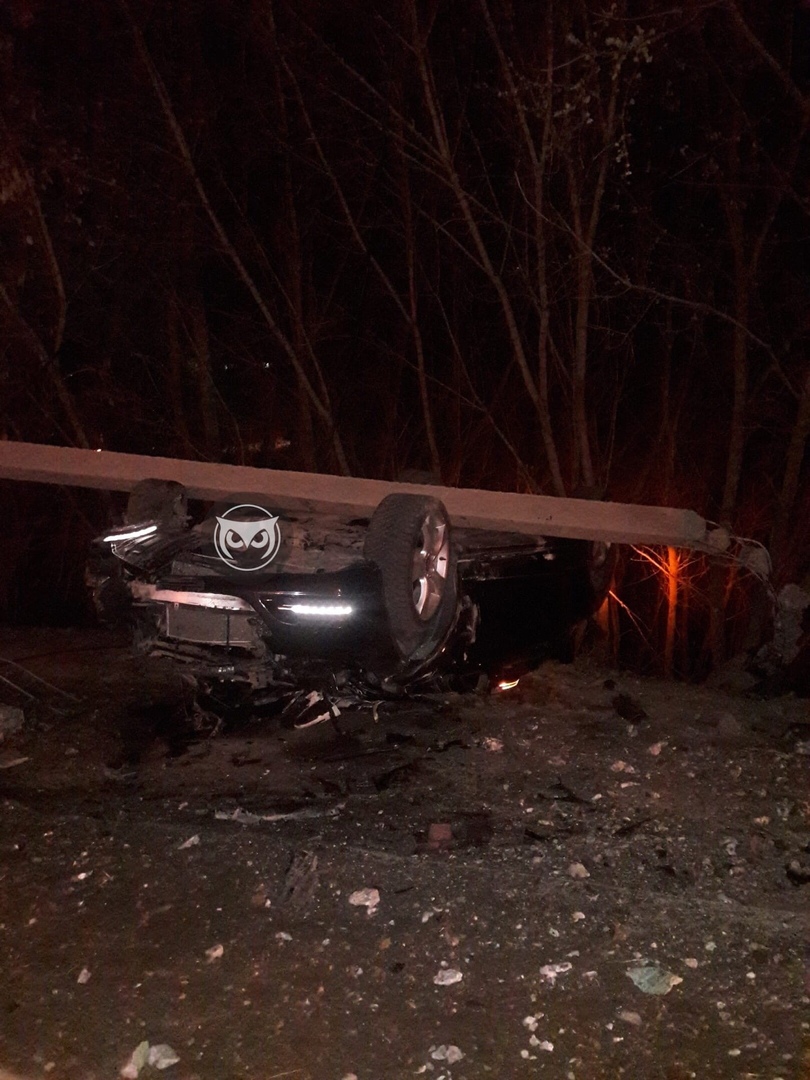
x=219 y=601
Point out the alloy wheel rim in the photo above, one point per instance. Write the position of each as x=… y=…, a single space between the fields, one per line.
x=431 y=560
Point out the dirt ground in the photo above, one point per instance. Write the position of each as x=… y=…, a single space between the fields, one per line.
x=593 y=876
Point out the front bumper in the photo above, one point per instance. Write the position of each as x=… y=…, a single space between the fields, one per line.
x=333 y=620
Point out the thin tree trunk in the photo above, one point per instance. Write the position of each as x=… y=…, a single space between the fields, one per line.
x=736 y=442
x=199 y=361
x=175 y=381
x=797 y=448
x=424 y=396
x=539 y=160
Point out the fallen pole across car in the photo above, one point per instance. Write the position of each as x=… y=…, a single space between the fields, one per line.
x=532 y=515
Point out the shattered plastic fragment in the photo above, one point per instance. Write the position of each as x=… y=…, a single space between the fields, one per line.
x=652 y=979
x=138 y=1058
x=214 y=953
x=577 y=870
x=367 y=898
x=630 y=1017
x=551 y=971
x=84 y=977
x=191 y=842
x=447 y=976
x=162 y=1056
x=451 y=1054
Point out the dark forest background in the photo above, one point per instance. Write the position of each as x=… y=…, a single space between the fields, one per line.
x=550 y=246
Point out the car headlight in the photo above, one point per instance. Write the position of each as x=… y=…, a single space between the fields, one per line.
x=131 y=532
x=326 y=611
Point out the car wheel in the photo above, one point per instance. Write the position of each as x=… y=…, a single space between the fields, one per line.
x=157 y=500
x=409 y=540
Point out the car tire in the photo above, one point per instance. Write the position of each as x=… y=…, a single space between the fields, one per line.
x=409 y=539
x=157 y=500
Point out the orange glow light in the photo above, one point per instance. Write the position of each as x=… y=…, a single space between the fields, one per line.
x=506 y=685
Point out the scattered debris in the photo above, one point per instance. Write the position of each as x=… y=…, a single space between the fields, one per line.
x=138 y=1058
x=665 y=853
x=9 y=760
x=162 y=1056
x=494 y=745
x=247 y=817
x=622 y=767
x=550 y=972
x=367 y=898
x=259 y=897
x=451 y=1054
x=630 y=1017
x=652 y=979
x=447 y=977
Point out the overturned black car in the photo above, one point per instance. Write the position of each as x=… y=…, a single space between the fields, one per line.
x=312 y=614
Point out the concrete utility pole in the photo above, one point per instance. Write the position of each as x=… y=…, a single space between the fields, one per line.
x=313 y=493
